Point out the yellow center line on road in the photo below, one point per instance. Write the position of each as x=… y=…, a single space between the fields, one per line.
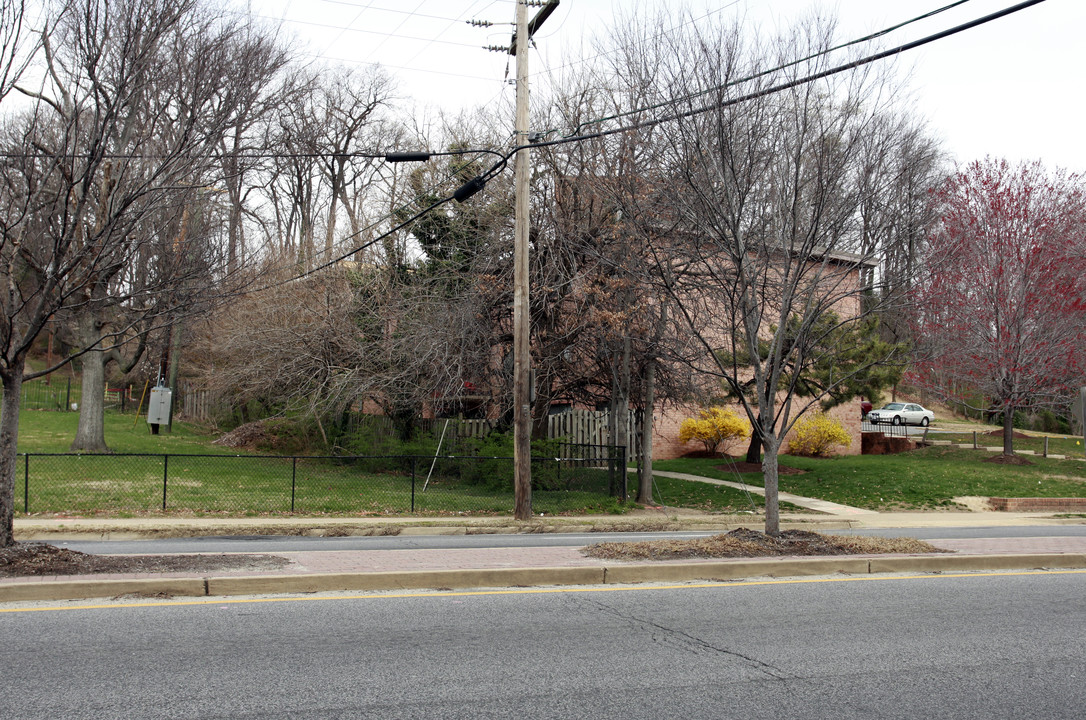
x=379 y=595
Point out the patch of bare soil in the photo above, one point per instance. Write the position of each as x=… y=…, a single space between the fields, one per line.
x=751 y=543
x=973 y=503
x=1014 y=433
x=749 y=467
x=37 y=559
x=1007 y=460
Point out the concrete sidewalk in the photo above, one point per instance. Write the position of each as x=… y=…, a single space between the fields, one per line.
x=511 y=567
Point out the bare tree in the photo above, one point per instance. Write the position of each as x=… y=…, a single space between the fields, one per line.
x=135 y=99
x=765 y=200
x=349 y=102
x=16 y=50
x=260 y=72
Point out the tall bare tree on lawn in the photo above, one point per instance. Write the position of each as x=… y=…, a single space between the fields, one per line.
x=762 y=172
x=133 y=101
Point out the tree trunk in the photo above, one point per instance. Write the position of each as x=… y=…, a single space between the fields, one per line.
x=620 y=407
x=754 y=450
x=772 y=501
x=1008 y=431
x=175 y=369
x=9 y=441
x=644 y=486
x=90 y=435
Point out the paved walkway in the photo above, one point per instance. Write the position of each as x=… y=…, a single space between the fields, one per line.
x=517 y=567
x=822 y=506
x=530 y=566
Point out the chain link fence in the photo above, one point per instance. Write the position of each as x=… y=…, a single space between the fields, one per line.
x=580 y=477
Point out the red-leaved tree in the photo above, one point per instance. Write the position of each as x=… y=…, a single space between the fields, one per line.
x=1001 y=313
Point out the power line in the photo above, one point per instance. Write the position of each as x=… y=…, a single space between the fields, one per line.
x=390 y=10
x=461 y=194
x=386 y=35
x=388 y=155
x=763 y=73
x=358 y=249
x=448 y=27
x=501 y=164
x=670 y=30
x=353 y=61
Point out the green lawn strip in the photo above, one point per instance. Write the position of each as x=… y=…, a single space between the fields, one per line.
x=52 y=432
x=248 y=484
x=925 y=478
x=1069 y=446
x=704 y=496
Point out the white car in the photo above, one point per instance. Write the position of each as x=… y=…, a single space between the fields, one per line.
x=897 y=413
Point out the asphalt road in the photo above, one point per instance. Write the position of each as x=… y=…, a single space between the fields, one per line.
x=282 y=543
x=935 y=646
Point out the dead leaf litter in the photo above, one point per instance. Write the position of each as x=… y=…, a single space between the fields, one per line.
x=751 y=543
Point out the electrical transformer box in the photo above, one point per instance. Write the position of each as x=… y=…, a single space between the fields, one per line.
x=158 y=410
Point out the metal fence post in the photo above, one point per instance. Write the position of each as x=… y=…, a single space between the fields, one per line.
x=68 y=397
x=563 y=451
x=624 y=477
x=26 y=484
x=1046 y=446
x=414 y=462
x=293 y=479
x=165 y=471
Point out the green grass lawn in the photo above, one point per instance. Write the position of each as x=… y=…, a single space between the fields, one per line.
x=242 y=483
x=1057 y=445
x=927 y=478
x=42 y=431
x=703 y=496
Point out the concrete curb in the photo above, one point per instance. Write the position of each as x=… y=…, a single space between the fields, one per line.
x=76 y=533
x=83 y=589
x=613 y=573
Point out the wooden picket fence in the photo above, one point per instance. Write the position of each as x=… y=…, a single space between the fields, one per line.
x=580 y=427
x=196 y=404
x=592 y=427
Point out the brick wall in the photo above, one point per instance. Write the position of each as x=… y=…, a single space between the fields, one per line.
x=1038 y=504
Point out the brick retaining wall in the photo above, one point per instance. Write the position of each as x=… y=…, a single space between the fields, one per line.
x=1038 y=504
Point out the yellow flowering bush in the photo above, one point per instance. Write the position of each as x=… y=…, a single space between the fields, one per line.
x=714 y=427
x=816 y=436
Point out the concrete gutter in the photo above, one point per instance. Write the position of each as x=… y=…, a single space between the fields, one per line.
x=53 y=529
x=38 y=590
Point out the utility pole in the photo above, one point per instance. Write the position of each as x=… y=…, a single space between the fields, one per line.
x=522 y=358
x=522 y=408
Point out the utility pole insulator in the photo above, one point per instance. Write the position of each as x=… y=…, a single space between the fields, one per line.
x=480 y=23
x=549 y=7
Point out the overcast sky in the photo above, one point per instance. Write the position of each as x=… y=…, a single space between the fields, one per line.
x=1011 y=88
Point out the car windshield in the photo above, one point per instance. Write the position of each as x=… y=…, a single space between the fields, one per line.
x=893 y=406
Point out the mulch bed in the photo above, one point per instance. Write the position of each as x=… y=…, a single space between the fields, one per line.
x=1007 y=460
x=1014 y=433
x=39 y=559
x=751 y=543
x=735 y=464
x=749 y=467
